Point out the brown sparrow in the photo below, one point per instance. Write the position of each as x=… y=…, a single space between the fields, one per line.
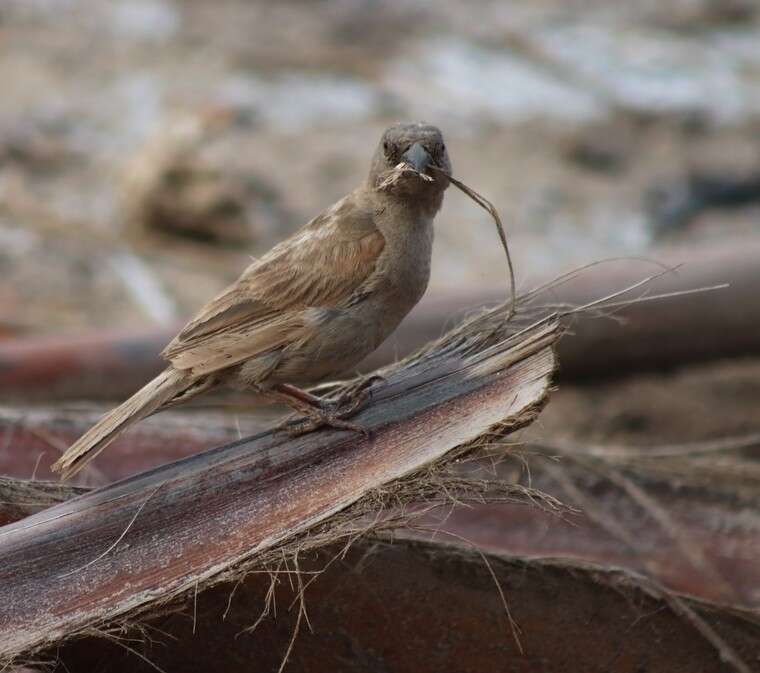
x=315 y=305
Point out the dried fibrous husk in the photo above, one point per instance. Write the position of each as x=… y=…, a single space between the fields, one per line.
x=159 y=532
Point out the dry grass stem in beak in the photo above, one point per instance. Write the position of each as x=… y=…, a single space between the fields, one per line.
x=488 y=206
x=404 y=167
x=400 y=170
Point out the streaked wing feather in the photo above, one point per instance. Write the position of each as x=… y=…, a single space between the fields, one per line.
x=237 y=343
x=322 y=265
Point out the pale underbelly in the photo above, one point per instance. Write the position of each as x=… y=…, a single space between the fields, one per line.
x=335 y=341
x=341 y=342
x=332 y=351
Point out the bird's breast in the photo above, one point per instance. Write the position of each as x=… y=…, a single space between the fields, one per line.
x=405 y=270
x=340 y=338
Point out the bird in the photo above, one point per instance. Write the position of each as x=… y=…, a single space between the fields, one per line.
x=312 y=307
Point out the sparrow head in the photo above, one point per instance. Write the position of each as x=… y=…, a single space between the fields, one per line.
x=404 y=157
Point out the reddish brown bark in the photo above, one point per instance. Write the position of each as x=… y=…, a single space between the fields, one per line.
x=431 y=608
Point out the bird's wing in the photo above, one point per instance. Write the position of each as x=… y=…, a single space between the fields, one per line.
x=323 y=265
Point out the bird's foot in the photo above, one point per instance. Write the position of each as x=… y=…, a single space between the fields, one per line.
x=320 y=418
x=356 y=395
x=330 y=412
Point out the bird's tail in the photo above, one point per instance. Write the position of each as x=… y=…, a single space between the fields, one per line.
x=143 y=403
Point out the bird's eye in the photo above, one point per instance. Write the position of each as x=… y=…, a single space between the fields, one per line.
x=387 y=147
x=443 y=148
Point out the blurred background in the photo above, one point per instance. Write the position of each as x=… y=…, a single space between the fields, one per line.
x=149 y=148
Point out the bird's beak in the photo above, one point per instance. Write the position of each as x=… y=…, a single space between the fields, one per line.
x=417 y=156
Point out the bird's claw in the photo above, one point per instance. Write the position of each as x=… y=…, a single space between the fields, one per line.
x=358 y=394
x=334 y=412
x=323 y=419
